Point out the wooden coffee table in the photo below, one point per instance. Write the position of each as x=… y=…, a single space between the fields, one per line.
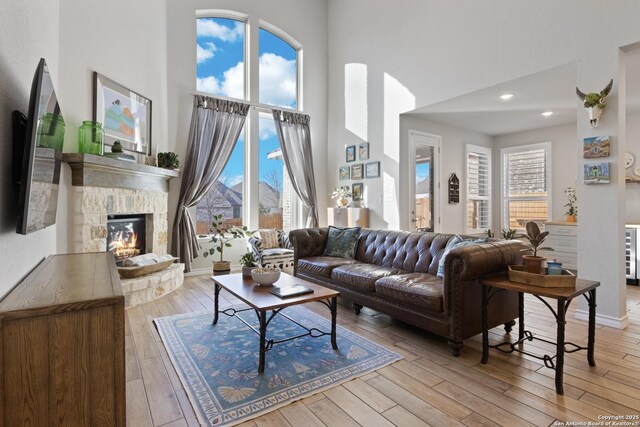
x=261 y=301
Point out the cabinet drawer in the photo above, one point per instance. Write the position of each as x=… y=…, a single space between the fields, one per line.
x=562 y=243
x=561 y=230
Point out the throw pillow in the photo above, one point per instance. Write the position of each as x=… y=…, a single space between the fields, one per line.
x=269 y=239
x=342 y=242
x=455 y=242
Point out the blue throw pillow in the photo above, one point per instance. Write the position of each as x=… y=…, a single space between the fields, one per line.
x=455 y=242
x=342 y=242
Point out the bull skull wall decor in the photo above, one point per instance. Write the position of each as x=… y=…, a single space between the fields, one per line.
x=594 y=102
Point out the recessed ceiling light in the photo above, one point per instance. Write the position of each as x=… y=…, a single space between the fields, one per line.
x=506 y=96
x=547 y=113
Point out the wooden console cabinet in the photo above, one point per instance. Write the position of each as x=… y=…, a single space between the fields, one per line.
x=348 y=217
x=62 y=345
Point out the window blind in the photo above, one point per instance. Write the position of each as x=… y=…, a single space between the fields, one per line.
x=478 y=188
x=526 y=185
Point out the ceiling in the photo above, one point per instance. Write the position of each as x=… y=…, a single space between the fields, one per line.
x=552 y=90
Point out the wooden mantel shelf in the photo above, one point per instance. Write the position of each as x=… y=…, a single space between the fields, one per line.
x=97 y=171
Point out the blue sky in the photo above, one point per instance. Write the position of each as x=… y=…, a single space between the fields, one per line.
x=220 y=71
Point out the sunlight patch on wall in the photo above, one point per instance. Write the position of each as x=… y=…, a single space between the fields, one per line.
x=389 y=202
x=397 y=100
x=355 y=99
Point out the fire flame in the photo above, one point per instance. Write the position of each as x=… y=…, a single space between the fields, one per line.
x=123 y=248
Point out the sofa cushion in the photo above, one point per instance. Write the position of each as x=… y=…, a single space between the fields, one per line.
x=269 y=238
x=342 y=242
x=361 y=276
x=416 y=289
x=455 y=242
x=322 y=265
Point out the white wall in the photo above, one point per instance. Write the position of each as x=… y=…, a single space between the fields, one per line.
x=564 y=164
x=305 y=21
x=454 y=141
x=127 y=47
x=29 y=30
x=427 y=51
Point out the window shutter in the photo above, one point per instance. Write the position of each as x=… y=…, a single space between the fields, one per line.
x=478 y=188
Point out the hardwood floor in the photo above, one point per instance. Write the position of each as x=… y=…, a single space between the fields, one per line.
x=428 y=387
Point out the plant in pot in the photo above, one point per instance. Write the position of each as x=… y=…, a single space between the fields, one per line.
x=572 y=206
x=248 y=262
x=220 y=237
x=168 y=160
x=342 y=194
x=534 y=263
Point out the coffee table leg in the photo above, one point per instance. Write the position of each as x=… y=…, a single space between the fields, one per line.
x=560 y=346
x=263 y=341
x=216 y=293
x=485 y=325
x=592 y=328
x=334 y=314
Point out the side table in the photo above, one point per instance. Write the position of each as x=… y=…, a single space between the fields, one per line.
x=563 y=297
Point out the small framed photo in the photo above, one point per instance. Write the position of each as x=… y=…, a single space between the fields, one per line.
x=372 y=170
x=363 y=151
x=345 y=173
x=125 y=115
x=357 y=190
x=356 y=171
x=351 y=153
x=596 y=146
x=596 y=173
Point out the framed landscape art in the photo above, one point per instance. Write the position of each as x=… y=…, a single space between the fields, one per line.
x=363 y=151
x=596 y=173
x=356 y=171
x=596 y=146
x=344 y=173
x=372 y=170
x=124 y=114
x=351 y=153
x=356 y=191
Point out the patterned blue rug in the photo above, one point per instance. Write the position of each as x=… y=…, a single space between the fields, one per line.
x=218 y=364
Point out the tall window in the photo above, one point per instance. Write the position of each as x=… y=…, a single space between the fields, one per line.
x=220 y=57
x=526 y=178
x=478 y=188
x=222 y=70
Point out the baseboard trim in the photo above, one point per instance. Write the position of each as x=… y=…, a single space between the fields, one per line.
x=601 y=319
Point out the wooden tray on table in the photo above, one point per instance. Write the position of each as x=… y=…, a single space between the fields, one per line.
x=565 y=280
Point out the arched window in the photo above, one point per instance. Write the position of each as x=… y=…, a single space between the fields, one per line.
x=222 y=70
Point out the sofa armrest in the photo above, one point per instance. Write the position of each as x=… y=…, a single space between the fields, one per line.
x=475 y=261
x=255 y=243
x=307 y=242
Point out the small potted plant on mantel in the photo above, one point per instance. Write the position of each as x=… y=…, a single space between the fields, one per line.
x=220 y=237
x=248 y=262
x=534 y=263
x=572 y=206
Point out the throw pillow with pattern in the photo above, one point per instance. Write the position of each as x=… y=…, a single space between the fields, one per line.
x=455 y=242
x=269 y=239
x=342 y=242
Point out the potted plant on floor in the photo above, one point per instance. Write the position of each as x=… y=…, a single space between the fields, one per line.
x=534 y=263
x=248 y=262
x=220 y=237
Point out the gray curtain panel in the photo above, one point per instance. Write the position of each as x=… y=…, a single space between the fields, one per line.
x=215 y=127
x=295 y=141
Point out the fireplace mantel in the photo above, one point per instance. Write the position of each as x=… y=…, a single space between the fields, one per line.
x=97 y=171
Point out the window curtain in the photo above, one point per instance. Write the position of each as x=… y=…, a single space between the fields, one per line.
x=215 y=127
x=295 y=141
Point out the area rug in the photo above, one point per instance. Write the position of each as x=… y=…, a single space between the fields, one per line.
x=218 y=364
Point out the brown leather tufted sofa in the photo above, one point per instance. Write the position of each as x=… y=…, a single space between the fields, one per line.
x=395 y=272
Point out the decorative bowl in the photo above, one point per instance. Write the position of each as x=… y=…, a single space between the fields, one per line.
x=265 y=276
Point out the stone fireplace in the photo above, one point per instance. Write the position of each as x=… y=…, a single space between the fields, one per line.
x=116 y=199
x=126 y=235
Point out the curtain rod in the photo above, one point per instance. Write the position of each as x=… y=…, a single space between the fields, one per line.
x=251 y=104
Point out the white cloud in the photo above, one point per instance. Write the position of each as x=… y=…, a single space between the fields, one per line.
x=210 y=28
x=204 y=53
x=208 y=85
x=266 y=127
x=233 y=180
x=277 y=80
x=233 y=82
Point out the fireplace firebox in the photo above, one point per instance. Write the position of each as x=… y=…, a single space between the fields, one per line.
x=126 y=236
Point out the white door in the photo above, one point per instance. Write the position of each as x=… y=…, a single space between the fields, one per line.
x=424 y=181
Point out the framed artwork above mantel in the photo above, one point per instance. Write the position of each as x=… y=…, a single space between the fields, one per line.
x=125 y=115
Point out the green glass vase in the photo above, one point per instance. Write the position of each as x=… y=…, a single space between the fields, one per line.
x=91 y=138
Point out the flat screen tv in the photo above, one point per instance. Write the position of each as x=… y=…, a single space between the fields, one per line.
x=37 y=151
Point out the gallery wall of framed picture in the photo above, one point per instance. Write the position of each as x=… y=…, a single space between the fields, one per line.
x=596 y=147
x=358 y=171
